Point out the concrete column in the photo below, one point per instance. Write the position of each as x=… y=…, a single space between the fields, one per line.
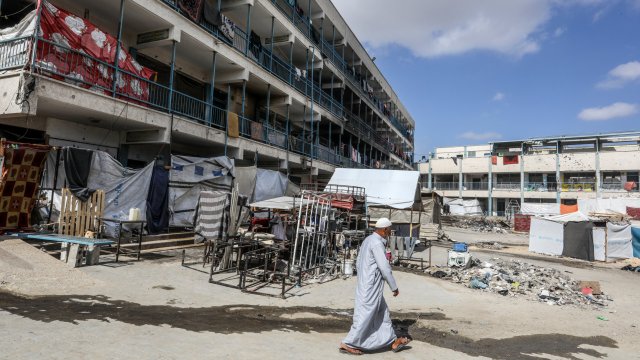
x=212 y=90
x=598 y=174
x=522 y=174
x=558 y=180
x=430 y=176
x=460 y=178
x=273 y=19
x=118 y=46
x=490 y=187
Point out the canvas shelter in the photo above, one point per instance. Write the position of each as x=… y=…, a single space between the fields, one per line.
x=578 y=236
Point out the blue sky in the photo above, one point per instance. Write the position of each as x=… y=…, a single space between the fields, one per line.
x=476 y=71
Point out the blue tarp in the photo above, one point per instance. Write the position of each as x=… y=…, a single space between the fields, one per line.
x=635 y=232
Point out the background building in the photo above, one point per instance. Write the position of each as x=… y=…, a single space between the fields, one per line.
x=304 y=93
x=502 y=175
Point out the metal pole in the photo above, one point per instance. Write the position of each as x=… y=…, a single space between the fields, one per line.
x=246 y=45
x=172 y=75
x=244 y=92
x=213 y=86
x=35 y=35
x=287 y=138
x=118 y=45
x=304 y=126
x=228 y=110
x=313 y=58
x=268 y=103
x=273 y=19
x=291 y=70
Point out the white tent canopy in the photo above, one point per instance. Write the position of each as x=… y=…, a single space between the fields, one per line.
x=394 y=188
x=279 y=203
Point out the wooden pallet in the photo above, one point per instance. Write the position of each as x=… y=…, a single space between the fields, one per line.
x=78 y=217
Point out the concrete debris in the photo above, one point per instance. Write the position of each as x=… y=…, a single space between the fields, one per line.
x=478 y=223
x=519 y=279
x=489 y=245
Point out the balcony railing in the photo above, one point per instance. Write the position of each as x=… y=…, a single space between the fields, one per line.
x=16 y=54
x=581 y=186
x=510 y=186
x=446 y=185
x=328 y=50
x=541 y=186
x=472 y=185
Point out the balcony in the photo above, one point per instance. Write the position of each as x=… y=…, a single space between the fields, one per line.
x=474 y=185
x=271 y=63
x=446 y=186
x=508 y=186
x=328 y=50
x=16 y=54
x=579 y=187
x=617 y=186
x=541 y=186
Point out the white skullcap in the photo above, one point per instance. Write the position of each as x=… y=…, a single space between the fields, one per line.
x=383 y=223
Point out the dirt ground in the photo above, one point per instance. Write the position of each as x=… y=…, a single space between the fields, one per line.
x=158 y=309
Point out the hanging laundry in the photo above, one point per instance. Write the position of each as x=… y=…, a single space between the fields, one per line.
x=227 y=28
x=255 y=44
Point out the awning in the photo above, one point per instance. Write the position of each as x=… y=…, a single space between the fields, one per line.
x=279 y=203
x=394 y=188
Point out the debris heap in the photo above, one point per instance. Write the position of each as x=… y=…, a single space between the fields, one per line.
x=478 y=223
x=518 y=279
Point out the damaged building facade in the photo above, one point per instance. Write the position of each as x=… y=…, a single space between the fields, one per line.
x=561 y=170
x=285 y=84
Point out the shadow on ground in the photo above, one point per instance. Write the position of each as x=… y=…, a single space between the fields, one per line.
x=254 y=319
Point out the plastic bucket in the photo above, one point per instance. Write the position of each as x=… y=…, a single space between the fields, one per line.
x=348 y=267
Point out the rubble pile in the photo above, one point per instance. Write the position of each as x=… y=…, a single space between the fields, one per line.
x=489 y=245
x=519 y=279
x=480 y=224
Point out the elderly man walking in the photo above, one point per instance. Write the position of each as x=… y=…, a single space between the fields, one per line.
x=372 y=328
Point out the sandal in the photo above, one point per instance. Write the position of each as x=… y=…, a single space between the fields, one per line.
x=400 y=344
x=344 y=349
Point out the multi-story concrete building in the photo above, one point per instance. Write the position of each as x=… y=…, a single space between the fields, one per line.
x=544 y=170
x=307 y=96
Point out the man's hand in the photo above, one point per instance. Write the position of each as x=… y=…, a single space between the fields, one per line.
x=396 y=292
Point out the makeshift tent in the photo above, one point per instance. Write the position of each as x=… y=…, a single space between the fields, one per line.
x=271 y=184
x=540 y=209
x=191 y=175
x=619 y=205
x=397 y=189
x=574 y=235
x=245 y=178
x=463 y=207
x=546 y=236
x=635 y=232
x=619 y=241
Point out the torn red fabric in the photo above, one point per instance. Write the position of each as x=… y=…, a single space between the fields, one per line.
x=494 y=160
x=86 y=55
x=341 y=201
x=630 y=185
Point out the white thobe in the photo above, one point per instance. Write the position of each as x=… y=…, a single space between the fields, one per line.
x=372 y=328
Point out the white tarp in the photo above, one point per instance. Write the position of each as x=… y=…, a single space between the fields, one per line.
x=574 y=216
x=619 y=205
x=540 y=209
x=599 y=238
x=394 y=188
x=270 y=184
x=619 y=239
x=279 y=203
x=396 y=216
x=546 y=236
x=463 y=207
x=191 y=175
x=124 y=188
x=245 y=178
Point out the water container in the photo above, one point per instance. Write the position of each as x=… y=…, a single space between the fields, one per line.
x=460 y=247
x=348 y=267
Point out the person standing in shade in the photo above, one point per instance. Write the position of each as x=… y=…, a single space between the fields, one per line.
x=372 y=328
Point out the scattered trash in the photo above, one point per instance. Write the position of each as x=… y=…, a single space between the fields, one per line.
x=593 y=285
x=514 y=278
x=477 y=223
x=489 y=245
x=602 y=318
